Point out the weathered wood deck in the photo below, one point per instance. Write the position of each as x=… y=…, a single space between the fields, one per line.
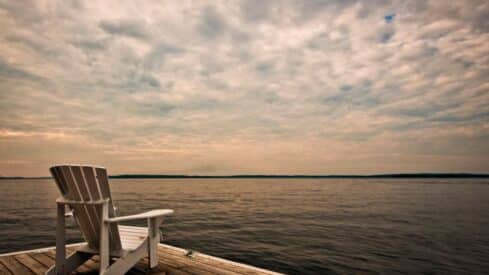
x=172 y=260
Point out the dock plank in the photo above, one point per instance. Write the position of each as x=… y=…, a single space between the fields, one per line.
x=164 y=267
x=225 y=265
x=29 y=262
x=14 y=266
x=193 y=266
x=4 y=270
x=85 y=268
x=43 y=259
x=172 y=261
x=91 y=266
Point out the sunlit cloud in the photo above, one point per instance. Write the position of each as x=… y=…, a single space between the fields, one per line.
x=322 y=87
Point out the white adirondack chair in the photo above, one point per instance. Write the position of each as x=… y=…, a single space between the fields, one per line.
x=85 y=191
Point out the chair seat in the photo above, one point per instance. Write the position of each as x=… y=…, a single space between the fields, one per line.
x=132 y=236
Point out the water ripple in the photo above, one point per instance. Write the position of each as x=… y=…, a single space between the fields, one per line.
x=306 y=226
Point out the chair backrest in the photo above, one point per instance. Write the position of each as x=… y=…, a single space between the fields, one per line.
x=87 y=183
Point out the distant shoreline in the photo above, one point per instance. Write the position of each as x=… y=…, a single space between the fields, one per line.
x=395 y=176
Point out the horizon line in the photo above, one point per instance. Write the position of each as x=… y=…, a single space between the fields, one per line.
x=387 y=175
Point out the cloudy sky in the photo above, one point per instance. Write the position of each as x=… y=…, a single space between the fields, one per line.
x=225 y=87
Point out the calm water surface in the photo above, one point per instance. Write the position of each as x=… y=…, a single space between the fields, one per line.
x=294 y=226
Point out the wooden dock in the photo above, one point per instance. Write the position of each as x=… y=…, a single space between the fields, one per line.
x=172 y=260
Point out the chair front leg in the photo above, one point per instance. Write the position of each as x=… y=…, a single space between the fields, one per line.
x=63 y=264
x=154 y=240
x=104 y=239
x=60 y=240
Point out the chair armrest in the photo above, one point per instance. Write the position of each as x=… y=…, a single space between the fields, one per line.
x=71 y=202
x=145 y=215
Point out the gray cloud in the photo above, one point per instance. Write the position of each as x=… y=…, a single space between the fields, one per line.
x=155 y=58
x=213 y=24
x=242 y=86
x=255 y=10
x=91 y=45
x=129 y=28
x=11 y=72
x=38 y=45
x=386 y=36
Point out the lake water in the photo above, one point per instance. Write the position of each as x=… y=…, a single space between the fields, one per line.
x=296 y=226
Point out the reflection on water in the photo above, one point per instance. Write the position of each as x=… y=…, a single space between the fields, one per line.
x=296 y=226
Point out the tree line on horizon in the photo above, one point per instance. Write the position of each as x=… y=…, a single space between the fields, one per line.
x=399 y=175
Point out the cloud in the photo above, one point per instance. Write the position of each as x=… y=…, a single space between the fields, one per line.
x=241 y=87
x=386 y=36
x=213 y=24
x=129 y=28
x=10 y=72
x=91 y=45
x=156 y=57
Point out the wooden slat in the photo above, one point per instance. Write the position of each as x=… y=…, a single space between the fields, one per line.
x=80 y=183
x=91 y=182
x=55 y=172
x=80 y=211
x=192 y=266
x=127 y=230
x=103 y=182
x=92 y=210
x=89 y=267
x=132 y=236
x=162 y=268
x=133 y=229
x=78 y=196
x=43 y=259
x=83 y=268
x=101 y=177
x=95 y=194
x=172 y=261
x=15 y=266
x=31 y=263
x=4 y=270
x=208 y=260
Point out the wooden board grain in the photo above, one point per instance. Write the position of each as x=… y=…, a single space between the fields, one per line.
x=14 y=266
x=172 y=261
x=4 y=270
